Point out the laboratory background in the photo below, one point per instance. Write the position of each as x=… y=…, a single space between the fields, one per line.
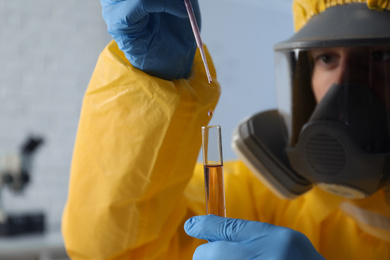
x=48 y=50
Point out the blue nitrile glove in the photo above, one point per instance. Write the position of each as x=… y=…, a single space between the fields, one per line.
x=241 y=239
x=155 y=35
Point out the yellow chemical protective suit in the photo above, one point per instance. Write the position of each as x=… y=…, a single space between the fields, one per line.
x=133 y=182
x=134 y=178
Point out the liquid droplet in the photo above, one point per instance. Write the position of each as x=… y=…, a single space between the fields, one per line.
x=210 y=112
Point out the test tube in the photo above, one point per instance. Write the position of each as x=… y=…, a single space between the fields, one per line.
x=198 y=39
x=213 y=170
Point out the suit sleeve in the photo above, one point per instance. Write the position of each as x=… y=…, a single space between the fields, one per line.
x=137 y=143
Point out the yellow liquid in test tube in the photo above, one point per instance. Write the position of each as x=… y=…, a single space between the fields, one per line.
x=215 y=193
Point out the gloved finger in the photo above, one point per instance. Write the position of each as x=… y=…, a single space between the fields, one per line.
x=130 y=16
x=215 y=228
x=174 y=7
x=135 y=10
x=222 y=250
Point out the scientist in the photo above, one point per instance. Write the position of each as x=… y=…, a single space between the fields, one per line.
x=136 y=191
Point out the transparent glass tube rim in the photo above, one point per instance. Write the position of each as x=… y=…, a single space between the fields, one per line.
x=212 y=155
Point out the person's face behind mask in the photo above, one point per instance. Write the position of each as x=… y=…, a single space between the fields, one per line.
x=349 y=126
x=369 y=66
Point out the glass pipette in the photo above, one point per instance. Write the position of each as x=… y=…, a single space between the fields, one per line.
x=198 y=39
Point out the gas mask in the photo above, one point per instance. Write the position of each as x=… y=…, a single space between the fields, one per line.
x=332 y=125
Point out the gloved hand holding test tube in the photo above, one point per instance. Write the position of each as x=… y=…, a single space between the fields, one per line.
x=213 y=170
x=198 y=39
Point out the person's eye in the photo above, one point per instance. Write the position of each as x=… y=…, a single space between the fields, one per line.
x=325 y=59
x=381 y=55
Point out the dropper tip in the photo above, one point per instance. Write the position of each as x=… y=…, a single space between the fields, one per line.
x=209 y=78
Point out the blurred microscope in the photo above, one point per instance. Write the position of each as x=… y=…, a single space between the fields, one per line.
x=15 y=174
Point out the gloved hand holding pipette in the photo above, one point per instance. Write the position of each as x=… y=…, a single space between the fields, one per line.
x=155 y=36
x=237 y=239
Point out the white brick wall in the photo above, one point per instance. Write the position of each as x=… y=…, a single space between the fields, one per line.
x=48 y=50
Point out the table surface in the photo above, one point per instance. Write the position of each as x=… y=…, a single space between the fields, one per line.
x=49 y=242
